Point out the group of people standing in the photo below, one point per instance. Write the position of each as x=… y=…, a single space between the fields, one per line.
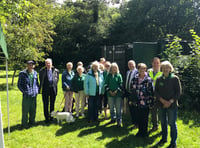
x=145 y=90
x=157 y=91
x=29 y=85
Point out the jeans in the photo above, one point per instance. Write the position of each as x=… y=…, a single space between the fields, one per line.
x=115 y=103
x=93 y=107
x=168 y=116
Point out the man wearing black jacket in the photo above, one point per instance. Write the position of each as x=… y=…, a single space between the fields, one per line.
x=131 y=73
x=49 y=77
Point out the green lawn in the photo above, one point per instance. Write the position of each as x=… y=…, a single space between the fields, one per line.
x=81 y=134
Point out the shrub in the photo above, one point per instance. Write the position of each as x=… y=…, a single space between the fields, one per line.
x=187 y=67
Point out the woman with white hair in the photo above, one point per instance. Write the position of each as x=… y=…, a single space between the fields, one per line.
x=168 y=91
x=93 y=88
x=67 y=76
x=113 y=86
x=77 y=87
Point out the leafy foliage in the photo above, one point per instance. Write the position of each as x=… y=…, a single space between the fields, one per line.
x=191 y=76
x=188 y=69
x=80 y=34
x=191 y=84
x=147 y=20
x=173 y=51
x=28 y=31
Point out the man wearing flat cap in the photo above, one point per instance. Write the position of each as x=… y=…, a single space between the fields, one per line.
x=29 y=86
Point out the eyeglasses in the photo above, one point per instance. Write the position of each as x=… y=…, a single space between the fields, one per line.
x=143 y=68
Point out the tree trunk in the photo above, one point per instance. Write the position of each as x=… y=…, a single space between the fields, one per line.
x=95 y=11
x=13 y=77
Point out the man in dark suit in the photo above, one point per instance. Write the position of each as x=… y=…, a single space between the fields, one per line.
x=49 y=77
x=129 y=76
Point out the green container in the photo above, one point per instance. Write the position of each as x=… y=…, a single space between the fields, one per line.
x=143 y=52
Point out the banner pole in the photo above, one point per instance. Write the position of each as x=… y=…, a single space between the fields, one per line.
x=7 y=97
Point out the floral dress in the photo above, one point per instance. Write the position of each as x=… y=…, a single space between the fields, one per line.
x=141 y=92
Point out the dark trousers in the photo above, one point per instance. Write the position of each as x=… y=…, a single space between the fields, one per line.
x=105 y=100
x=48 y=96
x=93 y=106
x=28 y=108
x=142 y=120
x=154 y=115
x=101 y=103
x=133 y=112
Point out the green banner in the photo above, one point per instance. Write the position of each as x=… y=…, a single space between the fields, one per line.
x=3 y=43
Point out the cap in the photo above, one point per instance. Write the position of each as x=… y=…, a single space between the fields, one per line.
x=31 y=62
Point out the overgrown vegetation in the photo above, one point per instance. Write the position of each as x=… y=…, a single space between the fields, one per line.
x=188 y=69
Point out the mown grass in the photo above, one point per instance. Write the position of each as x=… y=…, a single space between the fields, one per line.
x=81 y=134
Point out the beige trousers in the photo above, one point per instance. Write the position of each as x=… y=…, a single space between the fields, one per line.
x=68 y=100
x=80 y=97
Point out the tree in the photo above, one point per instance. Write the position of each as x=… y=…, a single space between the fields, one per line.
x=28 y=31
x=147 y=20
x=188 y=69
x=79 y=35
x=191 y=76
x=173 y=51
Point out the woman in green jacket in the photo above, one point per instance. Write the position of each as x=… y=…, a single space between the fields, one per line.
x=113 y=86
x=77 y=87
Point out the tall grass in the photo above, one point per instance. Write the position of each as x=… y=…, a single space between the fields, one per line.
x=81 y=134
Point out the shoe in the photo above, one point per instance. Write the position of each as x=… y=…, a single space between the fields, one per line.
x=47 y=121
x=24 y=127
x=138 y=134
x=172 y=146
x=112 y=121
x=77 y=115
x=119 y=124
x=155 y=128
x=135 y=126
x=96 y=122
x=161 y=142
x=32 y=124
x=83 y=115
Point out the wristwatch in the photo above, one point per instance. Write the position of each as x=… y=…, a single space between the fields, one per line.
x=171 y=101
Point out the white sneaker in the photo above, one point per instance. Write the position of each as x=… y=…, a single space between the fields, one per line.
x=77 y=115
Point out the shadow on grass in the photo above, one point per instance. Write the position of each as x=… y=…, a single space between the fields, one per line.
x=10 y=87
x=9 y=76
x=192 y=118
x=19 y=127
x=12 y=128
x=70 y=127
x=107 y=131
x=131 y=141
